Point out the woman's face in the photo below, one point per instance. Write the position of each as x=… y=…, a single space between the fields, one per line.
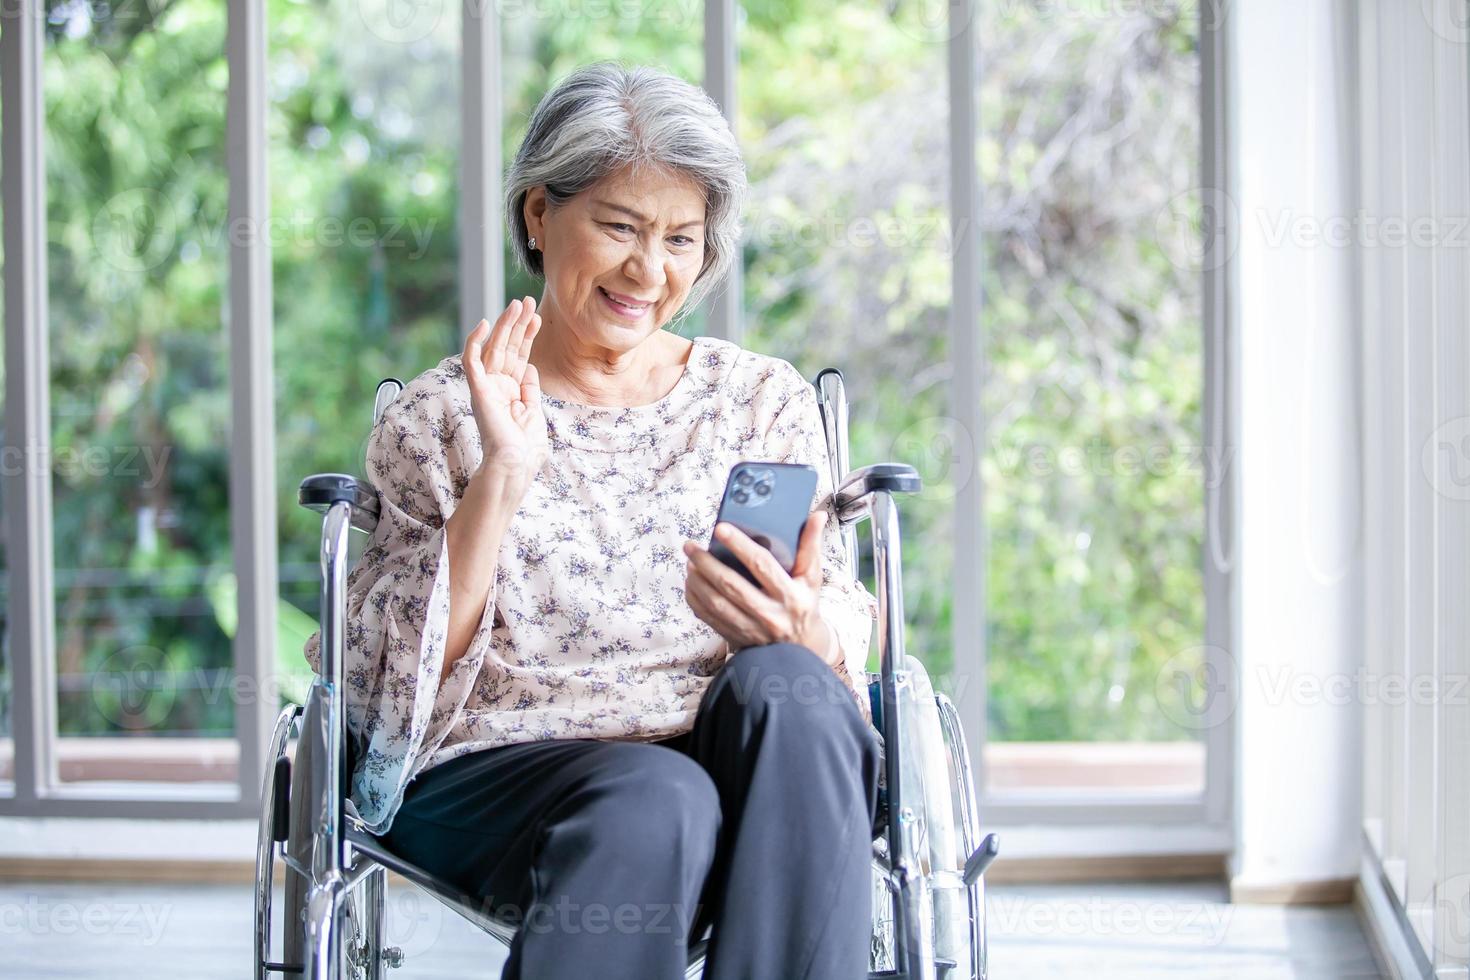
x=620 y=257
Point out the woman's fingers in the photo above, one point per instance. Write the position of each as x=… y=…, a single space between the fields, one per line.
x=506 y=340
x=531 y=386
x=494 y=351
x=523 y=356
x=808 y=564
x=518 y=355
x=695 y=602
x=727 y=582
x=717 y=610
x=762 y=564
x=505 y=347
x=474 y=345
x=500 y=336
x=702 y=611
x=511 y=364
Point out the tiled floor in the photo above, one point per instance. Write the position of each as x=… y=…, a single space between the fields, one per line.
x=1126 y=931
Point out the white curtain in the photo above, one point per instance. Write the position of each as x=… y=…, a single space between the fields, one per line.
x=1413 y=319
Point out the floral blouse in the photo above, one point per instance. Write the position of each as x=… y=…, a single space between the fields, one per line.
x=586 y=632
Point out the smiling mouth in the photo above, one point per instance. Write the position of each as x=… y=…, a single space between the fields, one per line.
x=624 y=308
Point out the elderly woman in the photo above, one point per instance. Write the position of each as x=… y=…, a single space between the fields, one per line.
x=561 y=701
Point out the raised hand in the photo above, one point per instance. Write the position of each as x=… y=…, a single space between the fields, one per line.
x=505 y=393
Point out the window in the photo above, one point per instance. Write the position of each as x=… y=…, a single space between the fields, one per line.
x=364 y=155
x=848 y=247
x=140 y=421
x=1095 y=463
x=1088 y=474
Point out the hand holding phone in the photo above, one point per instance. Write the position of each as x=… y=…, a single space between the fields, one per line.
x=770 y=502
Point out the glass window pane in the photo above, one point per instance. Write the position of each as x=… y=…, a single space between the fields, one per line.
x=140 y=407
x=844 y=123
x=1089 y=152
x=364 y=126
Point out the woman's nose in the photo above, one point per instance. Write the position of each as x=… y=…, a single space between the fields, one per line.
x=645 y=265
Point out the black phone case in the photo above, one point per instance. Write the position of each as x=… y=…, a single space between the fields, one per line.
x=770 y=502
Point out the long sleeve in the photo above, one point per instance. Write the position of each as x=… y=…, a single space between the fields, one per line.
x=399 y=709
x=796 y=436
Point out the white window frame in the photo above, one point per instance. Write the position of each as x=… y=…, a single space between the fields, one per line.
x=37 y=789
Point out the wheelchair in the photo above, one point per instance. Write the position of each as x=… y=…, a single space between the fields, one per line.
x=928 y=859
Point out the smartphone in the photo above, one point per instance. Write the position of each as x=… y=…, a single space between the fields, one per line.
x=770 y=502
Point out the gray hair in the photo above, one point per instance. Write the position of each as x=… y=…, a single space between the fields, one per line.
x=607 y=116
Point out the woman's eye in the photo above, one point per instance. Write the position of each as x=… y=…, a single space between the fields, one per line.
x=683 y=241
x=618 y=226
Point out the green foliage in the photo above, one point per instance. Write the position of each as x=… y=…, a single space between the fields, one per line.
x=139 y=364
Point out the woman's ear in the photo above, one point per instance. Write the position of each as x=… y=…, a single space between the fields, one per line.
x=534 y=211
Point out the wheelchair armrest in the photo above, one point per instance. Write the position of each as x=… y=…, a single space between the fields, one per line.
x=892 y=477
x=852 y=497
x=320 y=491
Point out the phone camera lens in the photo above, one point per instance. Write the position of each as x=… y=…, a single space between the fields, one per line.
x=762 y=489
x=743 y=478
x=740 y=496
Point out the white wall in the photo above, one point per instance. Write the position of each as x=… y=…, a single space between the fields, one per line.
x=1298 y=773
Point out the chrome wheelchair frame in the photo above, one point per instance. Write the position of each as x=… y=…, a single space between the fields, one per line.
x=928 y=860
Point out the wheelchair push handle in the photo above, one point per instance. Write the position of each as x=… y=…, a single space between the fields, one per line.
x=320 y=491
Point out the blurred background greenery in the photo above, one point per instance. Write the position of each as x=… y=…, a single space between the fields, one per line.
x=1092 y=373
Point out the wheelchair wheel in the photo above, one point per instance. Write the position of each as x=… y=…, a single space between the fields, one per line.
x=274 y=830
x=925 y=764
x=937 y=788
x=286 y=823
x=362 y=929
x=881 y=956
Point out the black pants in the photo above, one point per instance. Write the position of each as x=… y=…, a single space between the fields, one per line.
x=613 y=855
